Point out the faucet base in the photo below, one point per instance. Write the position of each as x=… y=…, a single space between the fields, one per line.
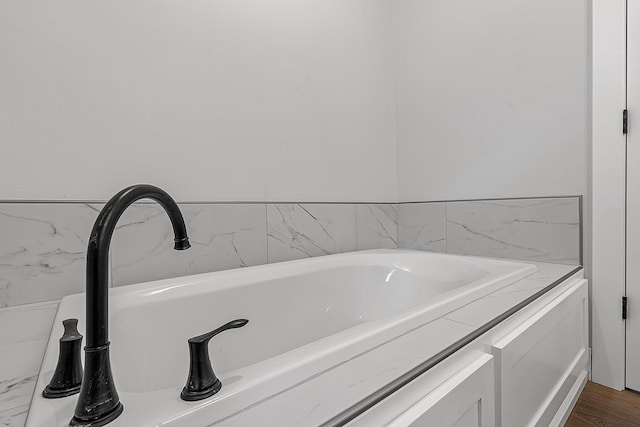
x=98 y=402
x=52 y=393
x=103 y=420
x=191 y=396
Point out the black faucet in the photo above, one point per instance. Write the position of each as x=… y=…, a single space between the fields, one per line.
x=98 y=402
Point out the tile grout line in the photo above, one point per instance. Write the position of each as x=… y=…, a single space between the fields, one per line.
x=357 y=229
x=397 y=227
x=446 y=227
x=266 y=232
x=457 y=321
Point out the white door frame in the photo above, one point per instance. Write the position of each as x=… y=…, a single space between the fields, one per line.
x=608 y=192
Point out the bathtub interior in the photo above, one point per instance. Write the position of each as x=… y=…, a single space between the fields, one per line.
x=285 y=313
x=306 y=317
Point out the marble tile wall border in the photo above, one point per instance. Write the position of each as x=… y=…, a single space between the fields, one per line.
x=545 y=229
x=422 y=226
x=43 y=245
x=377 y=226
x=223 y=236
x=297 y=231
x=542 y=230
x=42 y=250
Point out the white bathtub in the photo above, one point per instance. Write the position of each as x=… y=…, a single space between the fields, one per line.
x=304 y=317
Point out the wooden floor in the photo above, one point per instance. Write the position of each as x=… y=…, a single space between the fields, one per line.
x=602 y=407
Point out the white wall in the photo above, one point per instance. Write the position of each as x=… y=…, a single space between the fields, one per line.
x=259 y=100
x=492 y=98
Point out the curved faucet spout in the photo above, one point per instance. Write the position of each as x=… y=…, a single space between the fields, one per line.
x=98 y=252
x=98 y=403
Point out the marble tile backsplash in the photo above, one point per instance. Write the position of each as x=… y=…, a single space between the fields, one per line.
x=297 y=231
x=377 y=226
x=42 y=250
x=541 y=230
x=422 y=226
x=222 y=236
x=43 y=245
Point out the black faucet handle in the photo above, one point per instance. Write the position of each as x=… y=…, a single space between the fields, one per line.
x=202 y=381
x=67 y=377
x=71 y=330
x=204 y=338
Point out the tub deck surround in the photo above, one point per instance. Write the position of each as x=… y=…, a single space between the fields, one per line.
x=15 y=417
x=352 y=310
x=24 y=332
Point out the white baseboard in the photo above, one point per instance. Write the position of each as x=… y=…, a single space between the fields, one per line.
x=570 y=401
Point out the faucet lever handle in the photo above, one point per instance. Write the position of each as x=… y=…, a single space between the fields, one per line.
x=202 y=381
x=204 y=338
